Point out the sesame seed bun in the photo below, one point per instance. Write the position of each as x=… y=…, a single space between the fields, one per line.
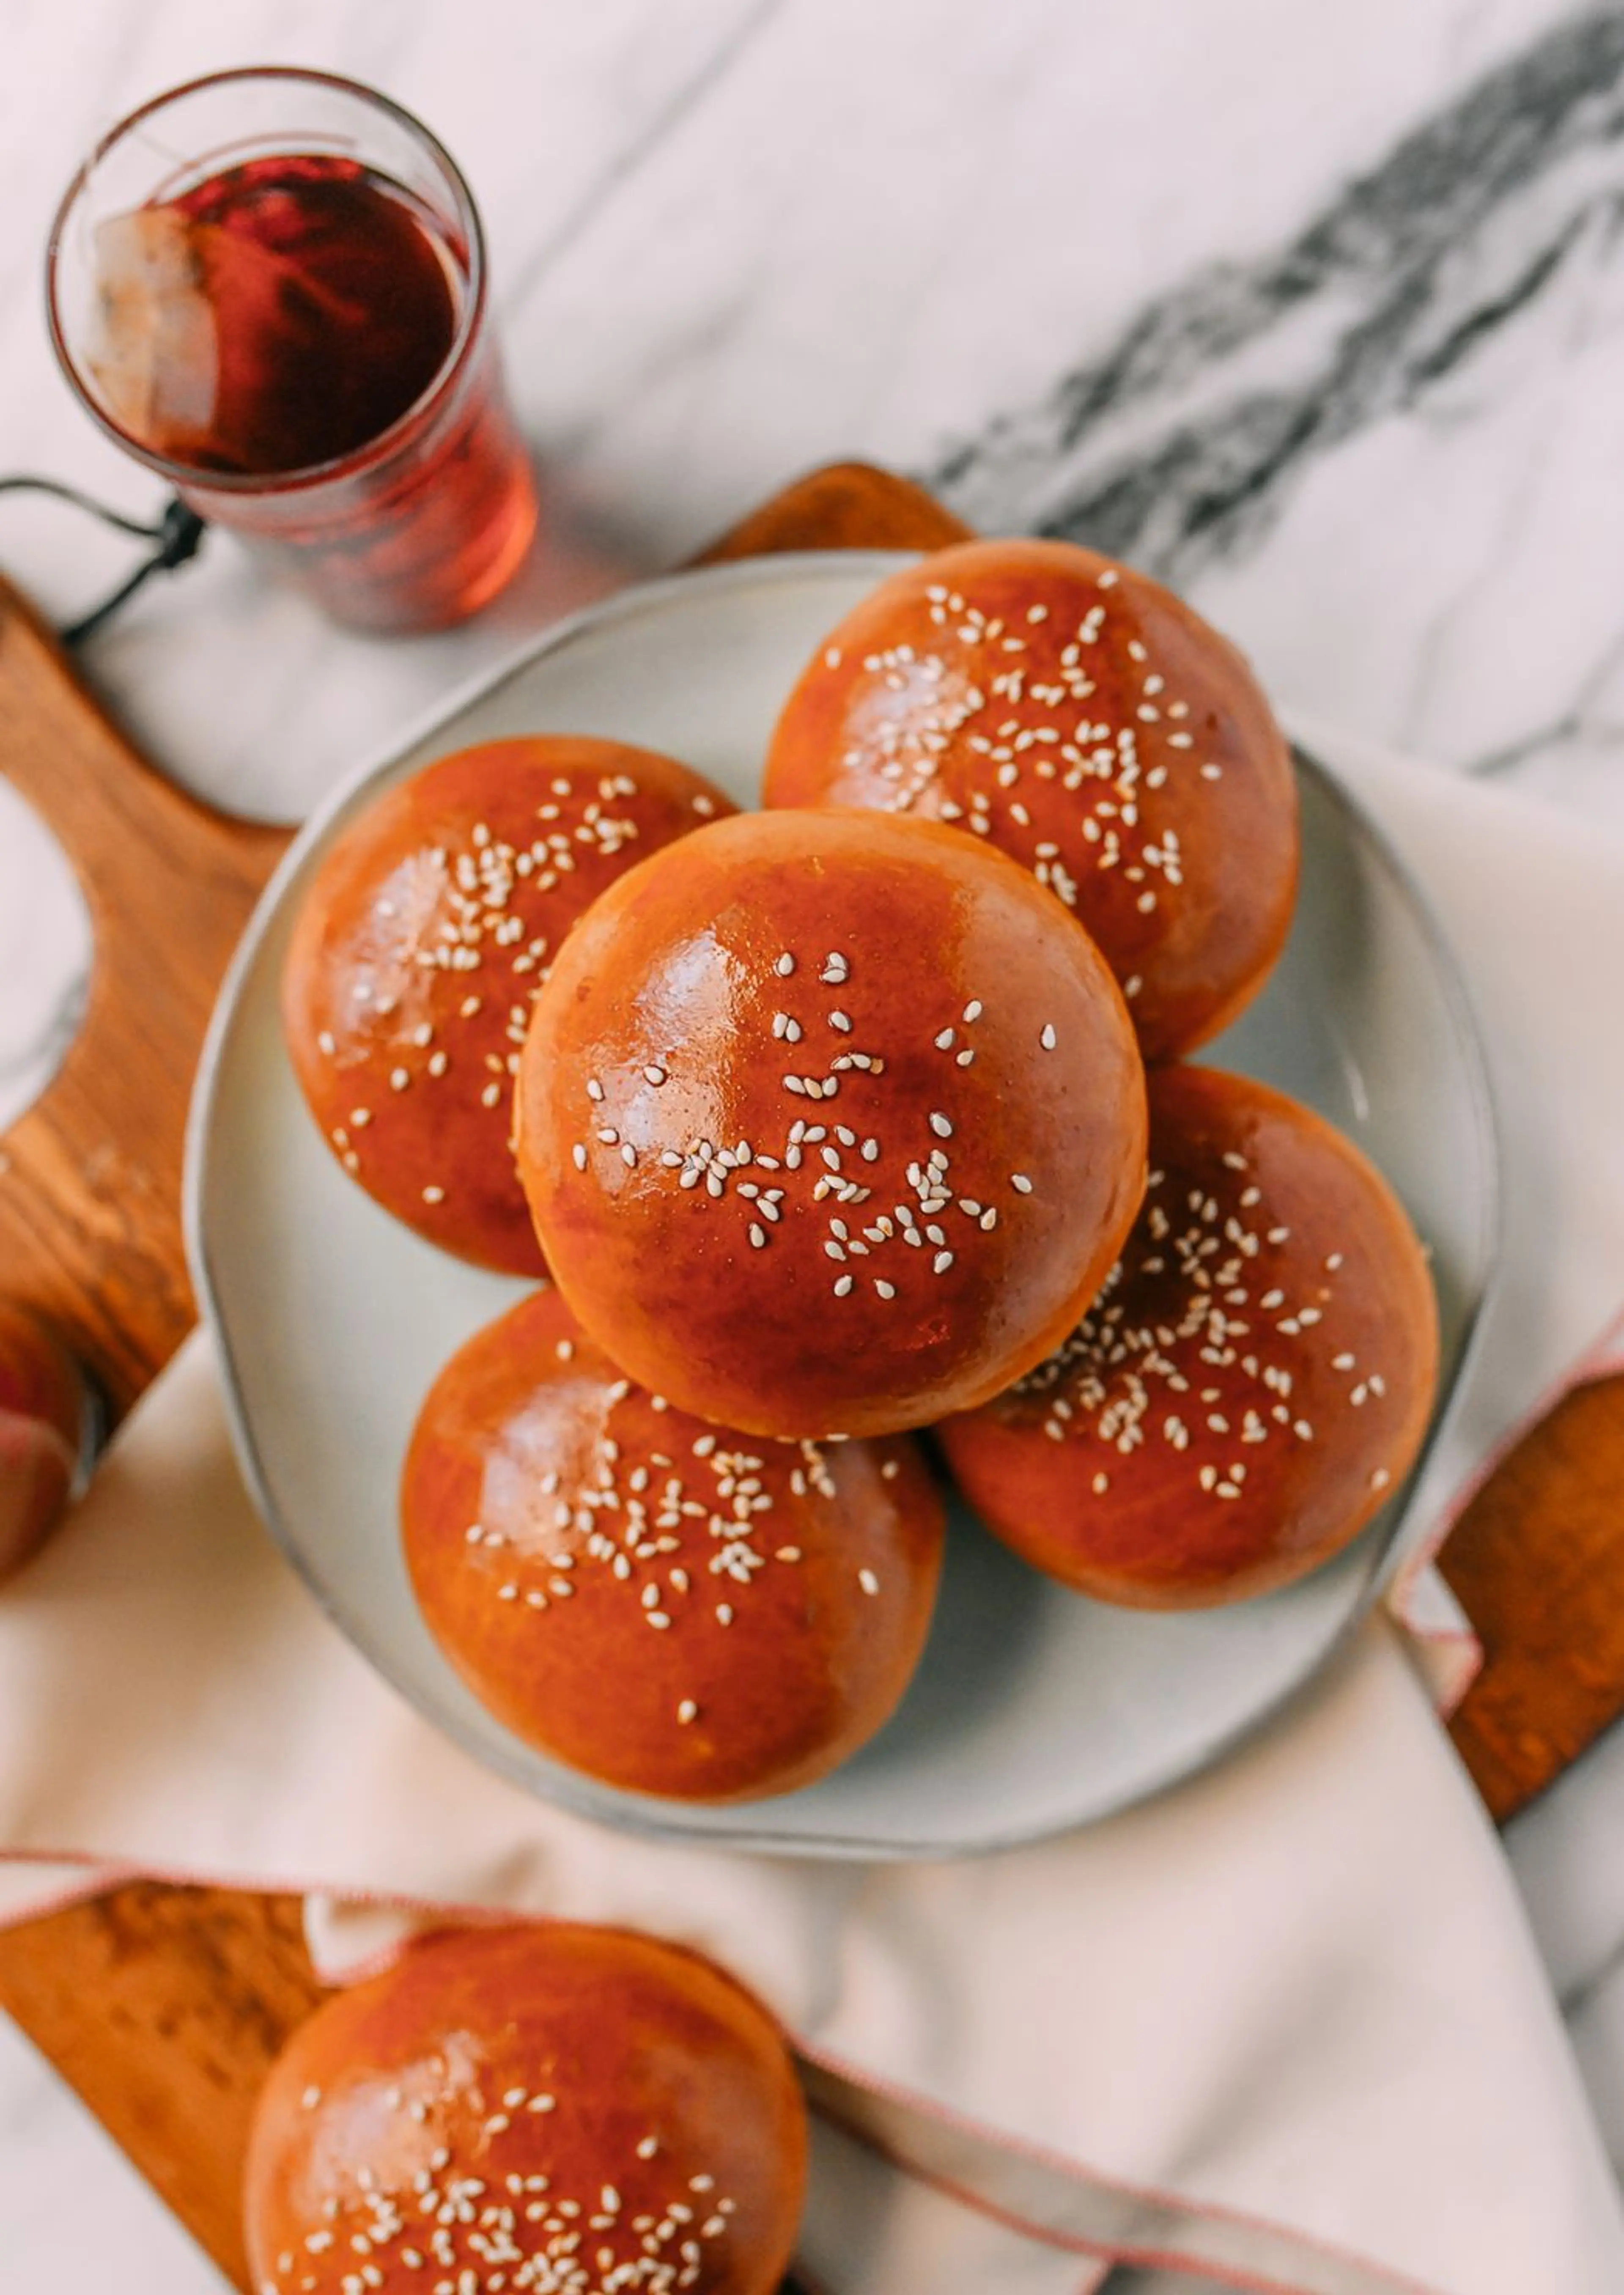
x=423 y=938
x=1084 y=719
x=555 y=2107
x=1250 y=1386
x=43 y=1408
x=672 y=1607
x=830 y=1123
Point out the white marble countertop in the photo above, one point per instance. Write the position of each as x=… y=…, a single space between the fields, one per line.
x=1319 y=314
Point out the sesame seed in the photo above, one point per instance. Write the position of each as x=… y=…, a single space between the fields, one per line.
x=1048 y=1039
x=1019 y=1182
x=939 y=1125
x=842 y=1285
x=786 y=965
x=973 y=1011
x=867 y=1580
x=578 y=1156
x=686 y=1711
x=943 y=1261
x=655 y=1075
x=434 y=1195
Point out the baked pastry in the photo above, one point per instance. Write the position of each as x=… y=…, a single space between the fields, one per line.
x=551 y=2107
x=830 y=1123
x=422 y=939
x=1249 y=1387
x=45 y=1414
x=672 y=1607
x=1084 y=719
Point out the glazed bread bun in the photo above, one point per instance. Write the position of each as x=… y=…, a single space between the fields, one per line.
x=44 y=1408
x=672 y=1607
x=423 y=938
x=1079 y=717
x=1250 y=1385
x=830 y=1123
x=553 y=2108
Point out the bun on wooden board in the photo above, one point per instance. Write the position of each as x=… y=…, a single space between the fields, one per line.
x=44 y=1408
x=830 y=1122
x=672 y=1607
x=426 y=931
x=1087 y=722
x=559 y=2108
x=1252 y=1384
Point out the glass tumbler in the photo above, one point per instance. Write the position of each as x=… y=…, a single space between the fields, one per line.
x=270 y=286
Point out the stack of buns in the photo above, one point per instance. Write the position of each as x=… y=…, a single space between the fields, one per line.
x=851 y=1118
x=830 y=1123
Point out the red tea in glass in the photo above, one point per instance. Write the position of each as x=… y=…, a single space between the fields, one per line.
x=298 y=339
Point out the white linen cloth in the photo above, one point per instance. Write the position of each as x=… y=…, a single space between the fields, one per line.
x=1283 y=2027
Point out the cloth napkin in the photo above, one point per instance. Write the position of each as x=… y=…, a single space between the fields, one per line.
x=1283 y=2027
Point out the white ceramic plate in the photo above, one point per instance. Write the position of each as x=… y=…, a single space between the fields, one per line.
x=1034 y=1710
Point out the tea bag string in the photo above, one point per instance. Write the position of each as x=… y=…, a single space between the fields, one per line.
x=178 y=532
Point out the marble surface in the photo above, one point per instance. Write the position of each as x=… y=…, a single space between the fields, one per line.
x=1319 y=314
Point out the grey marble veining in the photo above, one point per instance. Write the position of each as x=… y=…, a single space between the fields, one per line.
x=1179 y=444
x=1318 y=313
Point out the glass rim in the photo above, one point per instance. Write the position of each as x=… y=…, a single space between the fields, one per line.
x=184 y=475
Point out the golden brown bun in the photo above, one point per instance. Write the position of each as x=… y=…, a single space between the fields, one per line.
x=425 y=934
x=672 y=1607
x=42 y=1428
x=1251 y=1384
x=523 y=2106
x=1080 y=716
x=772 y=1054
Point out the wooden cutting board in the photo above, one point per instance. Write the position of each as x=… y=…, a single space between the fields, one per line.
x=164 y=2006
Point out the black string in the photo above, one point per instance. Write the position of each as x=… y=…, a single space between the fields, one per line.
x=178 y=534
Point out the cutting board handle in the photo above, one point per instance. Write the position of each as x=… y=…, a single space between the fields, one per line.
x=90 y=1233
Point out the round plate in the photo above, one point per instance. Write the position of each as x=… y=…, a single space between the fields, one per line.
x=1034 y=1710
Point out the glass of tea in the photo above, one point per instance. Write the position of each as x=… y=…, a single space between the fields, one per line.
x=270 y=287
